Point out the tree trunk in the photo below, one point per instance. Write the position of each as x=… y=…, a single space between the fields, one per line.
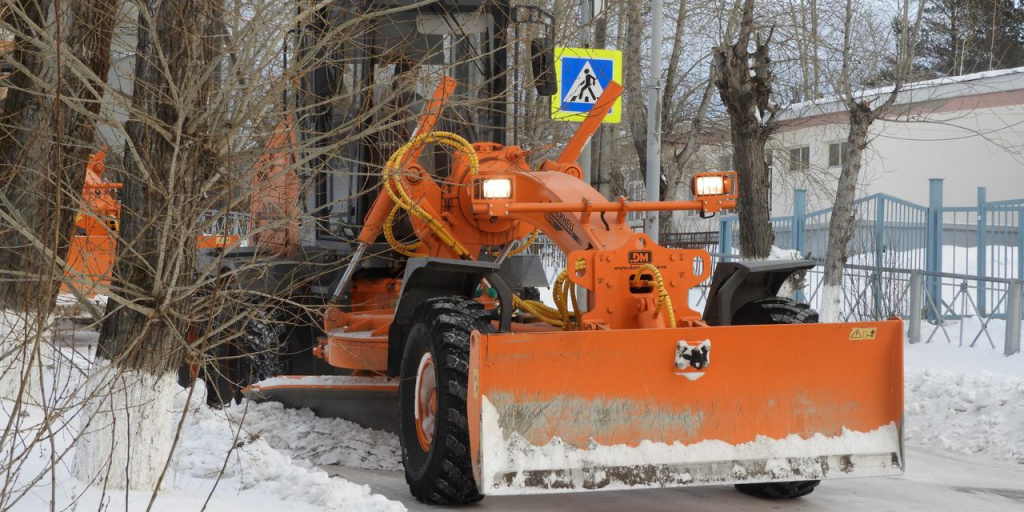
x=46 y=145
x=841 y=226
x=166 y=167
x=45 y=142
x=746 y=92
x=636 y=112
x=756 y=236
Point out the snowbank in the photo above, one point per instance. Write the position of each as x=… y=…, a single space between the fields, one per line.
x=966 y=413
x=965 y=400
x=256 y=476
x=255 y=464
x=322 y=441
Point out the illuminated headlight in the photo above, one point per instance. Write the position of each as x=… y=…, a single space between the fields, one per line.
x=497 y=188
x=709 y=186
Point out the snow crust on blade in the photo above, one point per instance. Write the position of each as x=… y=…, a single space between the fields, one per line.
x=512 y=465
x=324 y=381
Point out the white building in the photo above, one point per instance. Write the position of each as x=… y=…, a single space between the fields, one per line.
x=967 y=130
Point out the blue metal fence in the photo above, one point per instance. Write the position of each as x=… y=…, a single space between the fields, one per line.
x=985 y=240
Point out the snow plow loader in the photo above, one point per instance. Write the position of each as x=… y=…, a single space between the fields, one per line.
x=628 y=387
x=618 y=382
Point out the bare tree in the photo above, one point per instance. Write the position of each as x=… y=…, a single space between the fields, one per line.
x=47 y=136
x=862 y=114
x=61 y=58
x=744 y=81
x=169 y=159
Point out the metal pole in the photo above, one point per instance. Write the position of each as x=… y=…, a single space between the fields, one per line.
x=799 y=228
x=654 y=121
x=916 y=285
x=1013 y=318
x=879 y=236
x=725 y=235
x=933 y=252
x=353 y=264
x=982 y=251
x=586 y=39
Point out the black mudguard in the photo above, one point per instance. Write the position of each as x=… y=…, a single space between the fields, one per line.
x=436 y=277
x=739 y=282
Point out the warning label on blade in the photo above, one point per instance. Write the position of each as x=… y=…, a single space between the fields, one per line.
x=863 y=333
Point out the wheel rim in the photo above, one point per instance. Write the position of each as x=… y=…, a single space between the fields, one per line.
x=426 y=402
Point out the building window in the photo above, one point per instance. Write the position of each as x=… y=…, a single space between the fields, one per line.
x=837 y=154
x=800 y=159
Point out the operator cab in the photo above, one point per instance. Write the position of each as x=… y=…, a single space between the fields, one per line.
x=373 y=65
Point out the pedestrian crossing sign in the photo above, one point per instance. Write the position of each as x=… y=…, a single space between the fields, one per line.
x=583 y=74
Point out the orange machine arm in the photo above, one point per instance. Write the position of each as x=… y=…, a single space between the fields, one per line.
x=557 y=202
x=382 y=205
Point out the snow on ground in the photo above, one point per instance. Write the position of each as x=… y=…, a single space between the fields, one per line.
x=258 y=472
x=322 y=441
x=965 y=400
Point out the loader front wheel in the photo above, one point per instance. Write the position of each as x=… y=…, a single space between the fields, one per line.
x=768 y=311
x=433 y=424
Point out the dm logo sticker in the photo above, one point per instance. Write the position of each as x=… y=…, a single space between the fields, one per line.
x=692 y=360
x=640 y=257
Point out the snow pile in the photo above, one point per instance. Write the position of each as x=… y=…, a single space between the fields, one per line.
x=256 y=477
x=322 y=441
x=254 y=463
x=969 y=413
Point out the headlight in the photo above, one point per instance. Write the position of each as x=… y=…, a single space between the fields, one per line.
x=709 y=186
x=497 y=188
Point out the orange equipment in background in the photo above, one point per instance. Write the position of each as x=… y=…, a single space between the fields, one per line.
x=97 y=226
x=91 y=255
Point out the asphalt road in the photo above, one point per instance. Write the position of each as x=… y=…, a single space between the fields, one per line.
x=933 y=482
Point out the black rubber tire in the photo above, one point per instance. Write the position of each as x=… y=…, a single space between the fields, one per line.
x=769 y=311
x=442 y=475
x=774 y=310
x=779 y=490
x=250 y=353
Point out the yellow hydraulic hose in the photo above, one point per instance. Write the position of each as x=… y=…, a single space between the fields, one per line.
x=664 y=301
x=394 y=188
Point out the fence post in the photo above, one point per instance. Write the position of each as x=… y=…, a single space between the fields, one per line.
x=933 y=251
x=725 y=235
x=1020 y=243
x=1013 y=317
x=799 y=220
x=915 y=306
x=879 y=252
x=799 y=231
x=982 y=251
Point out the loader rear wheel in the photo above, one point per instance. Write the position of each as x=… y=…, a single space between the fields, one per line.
x=433 y=424
x=249 y=352
x=768 y=311
x=779 y=490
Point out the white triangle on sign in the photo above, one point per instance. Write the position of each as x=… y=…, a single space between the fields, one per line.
x=586 y=88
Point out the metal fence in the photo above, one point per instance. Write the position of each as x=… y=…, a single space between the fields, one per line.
x=218 y=222
x=949 y=312
x=985 y=240
x=969 y=258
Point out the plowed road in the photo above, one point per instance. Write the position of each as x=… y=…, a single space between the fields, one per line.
x=933 y=482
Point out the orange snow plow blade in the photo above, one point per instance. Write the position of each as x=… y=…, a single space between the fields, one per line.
x=569 y=411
